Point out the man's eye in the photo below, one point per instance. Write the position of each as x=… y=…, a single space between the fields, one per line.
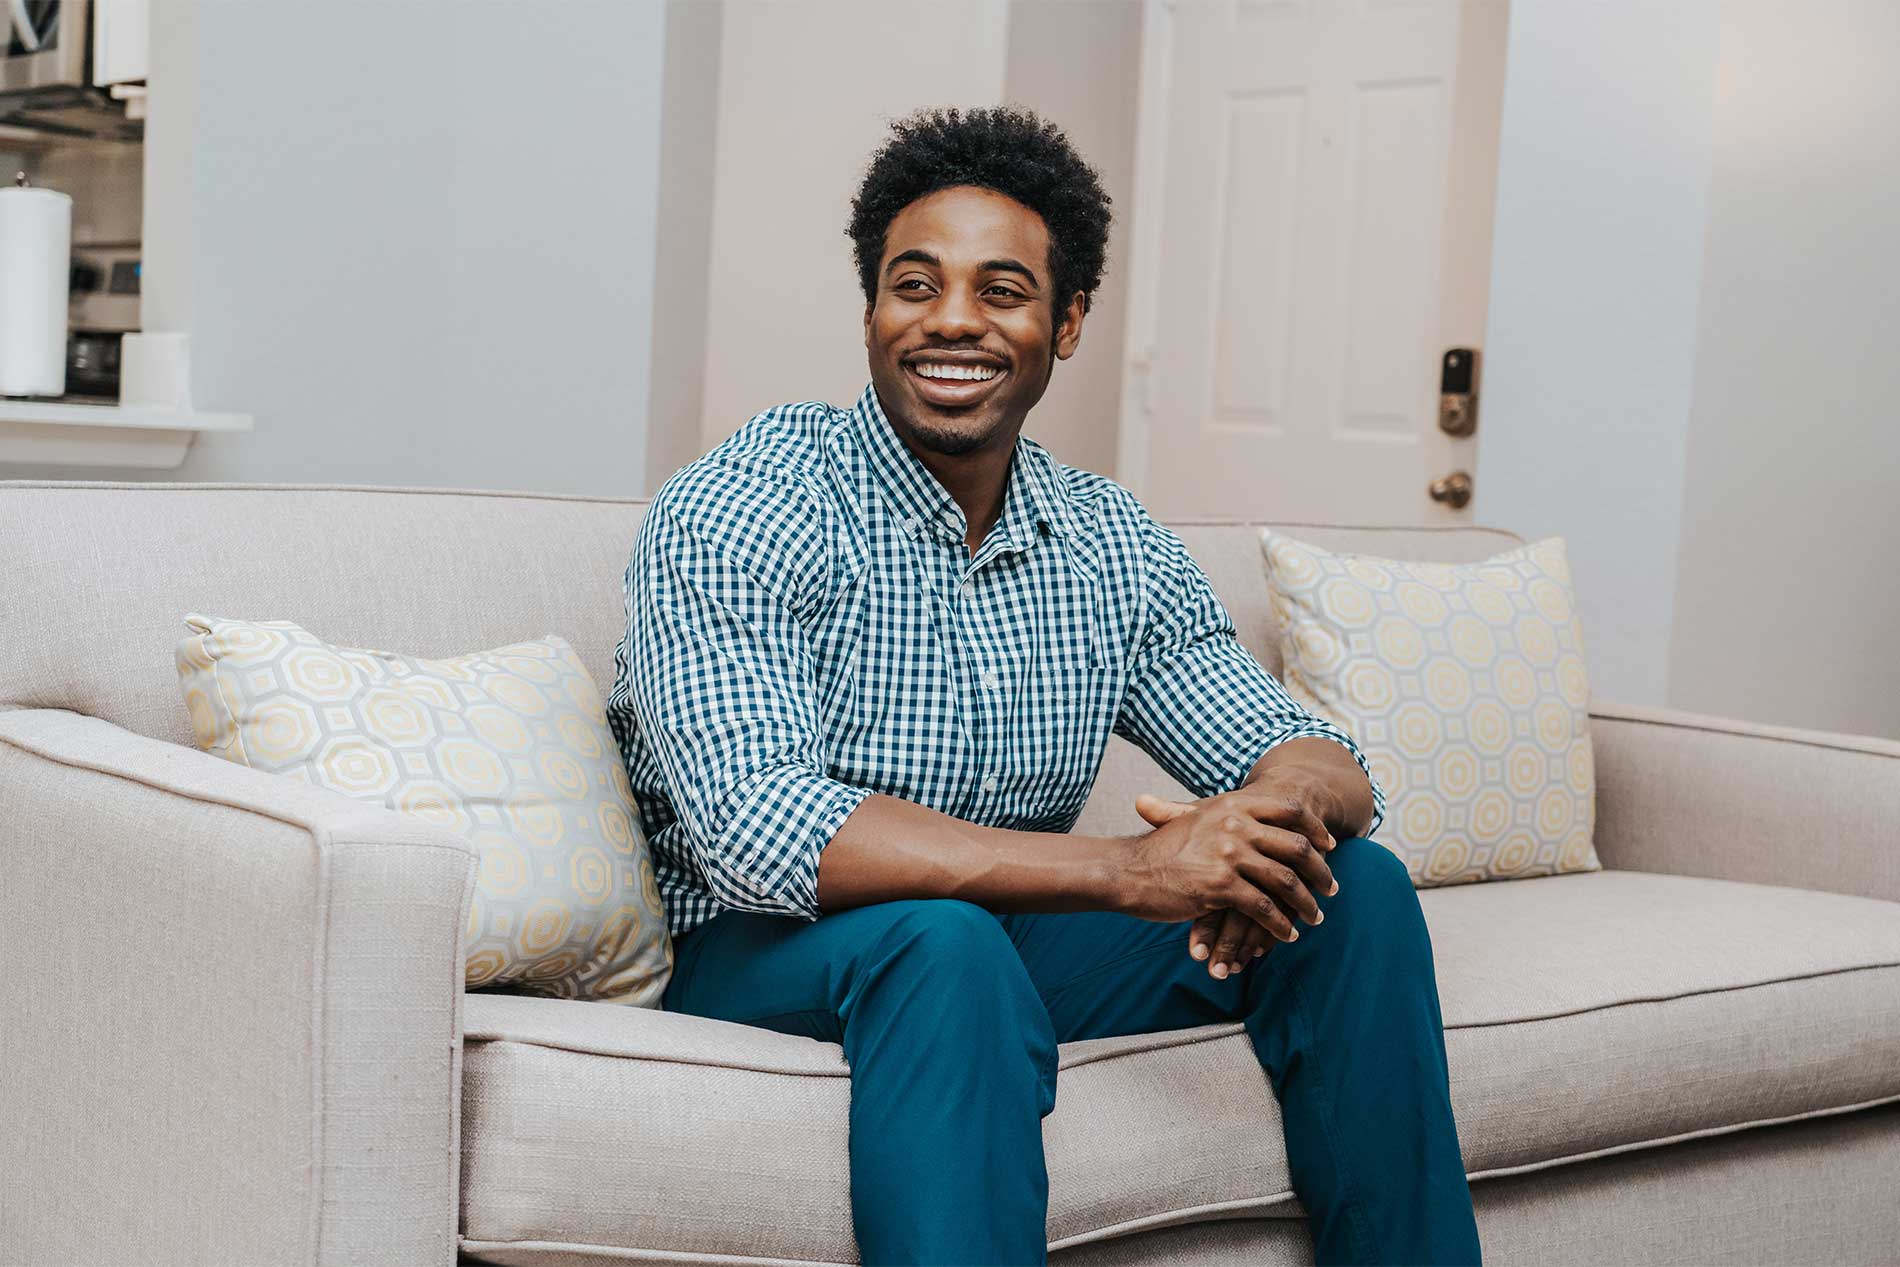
x=1004 y=290
x=911 y=281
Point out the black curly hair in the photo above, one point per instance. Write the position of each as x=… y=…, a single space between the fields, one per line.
x=1004 y=148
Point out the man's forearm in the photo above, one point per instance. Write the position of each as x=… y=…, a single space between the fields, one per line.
x=890 y=848
x=1323 y=770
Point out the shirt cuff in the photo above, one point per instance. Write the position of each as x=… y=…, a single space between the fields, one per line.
x=780 y=820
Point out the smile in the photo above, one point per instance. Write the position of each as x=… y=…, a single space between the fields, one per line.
x=976 y=373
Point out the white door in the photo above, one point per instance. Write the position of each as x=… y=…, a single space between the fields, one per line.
x=1312 y=233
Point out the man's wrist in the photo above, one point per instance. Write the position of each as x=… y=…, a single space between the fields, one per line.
x=1107 y=874
x=1299 y=783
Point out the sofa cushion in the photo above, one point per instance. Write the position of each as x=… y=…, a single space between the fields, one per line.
x=1586 y=1014
x=1466 y=684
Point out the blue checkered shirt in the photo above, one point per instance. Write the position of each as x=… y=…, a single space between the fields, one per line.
x=806 y=626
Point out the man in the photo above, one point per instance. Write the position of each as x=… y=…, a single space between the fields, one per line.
x=872 y=659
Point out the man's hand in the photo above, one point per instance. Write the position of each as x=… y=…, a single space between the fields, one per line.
x=1239 y=865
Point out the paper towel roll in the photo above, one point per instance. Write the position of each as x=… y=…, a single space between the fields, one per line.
x=36 y=246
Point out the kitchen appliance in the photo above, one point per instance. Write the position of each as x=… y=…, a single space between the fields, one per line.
x=104 y=308
x=46 y=72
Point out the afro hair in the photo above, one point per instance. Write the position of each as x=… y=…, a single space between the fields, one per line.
x=1004 y=148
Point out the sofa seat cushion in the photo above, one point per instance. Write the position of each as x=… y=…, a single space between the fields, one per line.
x=1585 y=1014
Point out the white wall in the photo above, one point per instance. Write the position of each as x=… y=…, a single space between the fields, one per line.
x=418 y=248
x=1603 y=176
x=806 y=88
x=1078 y=62
x=1790 y=589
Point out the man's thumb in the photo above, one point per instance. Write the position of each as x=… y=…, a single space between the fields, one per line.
x=1157 y=810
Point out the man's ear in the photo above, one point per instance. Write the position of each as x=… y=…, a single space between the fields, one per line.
x=1069 y=328
x=868 y=306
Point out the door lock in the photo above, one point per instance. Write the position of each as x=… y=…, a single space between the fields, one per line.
x=1454 y=490
x=1458 y=392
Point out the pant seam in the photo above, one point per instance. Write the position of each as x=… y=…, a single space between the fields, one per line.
x=1355 y=1211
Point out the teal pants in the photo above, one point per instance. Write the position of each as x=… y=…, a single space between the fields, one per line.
x=950 y=1014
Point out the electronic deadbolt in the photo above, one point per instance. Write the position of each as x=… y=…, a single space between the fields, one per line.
x=1458 y=392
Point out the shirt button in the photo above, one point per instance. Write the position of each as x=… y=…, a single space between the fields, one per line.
x=989 y=783
x=911 y=527
x=950 y=520
x=990 y=679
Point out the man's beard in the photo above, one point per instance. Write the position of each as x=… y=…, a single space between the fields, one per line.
x=949 y=443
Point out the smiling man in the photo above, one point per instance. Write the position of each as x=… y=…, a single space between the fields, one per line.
x=872 y=658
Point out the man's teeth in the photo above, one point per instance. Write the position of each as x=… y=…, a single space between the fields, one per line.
x=978 y=373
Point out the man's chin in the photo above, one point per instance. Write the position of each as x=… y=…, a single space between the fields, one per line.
x=949 y=441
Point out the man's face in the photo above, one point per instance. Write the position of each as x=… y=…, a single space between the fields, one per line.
x=965 y=331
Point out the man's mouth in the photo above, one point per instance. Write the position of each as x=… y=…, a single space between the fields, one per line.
x=947 y=383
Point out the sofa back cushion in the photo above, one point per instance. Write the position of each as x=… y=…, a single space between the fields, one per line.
x=98 y=575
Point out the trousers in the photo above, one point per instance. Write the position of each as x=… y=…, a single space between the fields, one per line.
x=950 y=1016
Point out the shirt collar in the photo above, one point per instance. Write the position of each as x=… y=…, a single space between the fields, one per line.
x=1032 y=500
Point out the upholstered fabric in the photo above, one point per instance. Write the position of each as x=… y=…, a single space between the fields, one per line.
x=1466 y=684
x=266 y=1061
x=1697 y=795
x=1688 y=1021
x=1811 y=1192
x=232 y=1005
x=507 y=747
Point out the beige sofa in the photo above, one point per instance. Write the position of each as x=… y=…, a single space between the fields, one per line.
x=233 y=1029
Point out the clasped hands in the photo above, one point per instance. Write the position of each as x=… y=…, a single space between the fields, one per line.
x=1242 y=865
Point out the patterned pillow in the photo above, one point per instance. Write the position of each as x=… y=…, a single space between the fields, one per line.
x=510 y=747
x=1466 y=687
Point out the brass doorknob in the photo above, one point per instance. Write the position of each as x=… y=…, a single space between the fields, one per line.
x=1454 y=489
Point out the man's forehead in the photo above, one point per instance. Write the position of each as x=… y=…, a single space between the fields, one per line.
x=966 y=222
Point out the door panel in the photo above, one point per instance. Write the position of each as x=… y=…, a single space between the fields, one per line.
x=1312 y=231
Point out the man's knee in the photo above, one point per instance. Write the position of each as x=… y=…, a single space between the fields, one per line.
x=946 y=934
x=1369 y=874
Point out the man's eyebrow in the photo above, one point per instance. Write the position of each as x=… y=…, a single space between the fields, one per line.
x=1011 y=266
x=913 y=257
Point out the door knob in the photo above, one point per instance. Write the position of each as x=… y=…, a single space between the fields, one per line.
x=1454 y=490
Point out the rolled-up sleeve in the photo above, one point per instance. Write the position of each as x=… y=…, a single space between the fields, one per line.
x=1197 y=700
x=723 y=689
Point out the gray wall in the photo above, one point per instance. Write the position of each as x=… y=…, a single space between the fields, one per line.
x=423 y=257
x=1603 y=173
x=1789 y=592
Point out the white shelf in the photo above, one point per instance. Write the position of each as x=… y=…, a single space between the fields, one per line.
x=63 y=433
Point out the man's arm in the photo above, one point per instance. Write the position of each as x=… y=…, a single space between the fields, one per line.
x=1213 y=718
x=721 y=683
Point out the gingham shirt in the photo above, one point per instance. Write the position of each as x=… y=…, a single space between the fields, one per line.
x=805 y=626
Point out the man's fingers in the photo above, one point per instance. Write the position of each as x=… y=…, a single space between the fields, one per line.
x=1201 y=934
x=1233 y=934
x=1285 y=812
x=1295 y=852
x=1286 y=888
x=1258 y=904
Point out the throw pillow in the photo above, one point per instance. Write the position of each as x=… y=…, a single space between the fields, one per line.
x=510 y=747
x=1465 y=684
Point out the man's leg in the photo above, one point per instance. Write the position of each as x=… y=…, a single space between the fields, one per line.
x=1346 y=1024
x=953 y=1062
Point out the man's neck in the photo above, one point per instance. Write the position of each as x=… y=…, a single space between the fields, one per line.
x=976 y=480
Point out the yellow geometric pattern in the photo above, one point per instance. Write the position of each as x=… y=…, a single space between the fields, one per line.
x=509 y=747
x=1464 y=685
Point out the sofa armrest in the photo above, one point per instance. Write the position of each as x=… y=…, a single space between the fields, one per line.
x=232 y=1009
x=1693 y=795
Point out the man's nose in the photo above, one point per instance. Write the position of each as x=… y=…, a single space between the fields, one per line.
x=955 y=315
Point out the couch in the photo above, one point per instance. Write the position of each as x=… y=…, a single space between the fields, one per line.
x=233 y=1027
